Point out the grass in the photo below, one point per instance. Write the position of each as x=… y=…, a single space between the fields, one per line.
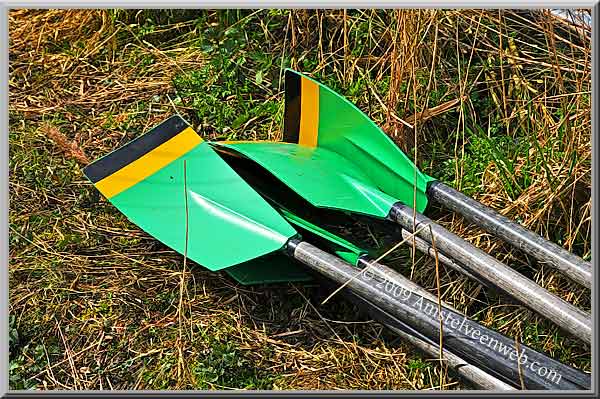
x=499 y=104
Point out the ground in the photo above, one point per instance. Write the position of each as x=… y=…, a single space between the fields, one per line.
x=496 y=103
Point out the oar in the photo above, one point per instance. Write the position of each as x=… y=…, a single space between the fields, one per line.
x=172 y=184
x=175 y=187
x=529 y=242
x=316 y=116
x=278 y=193
x=328 y=180
x=395 y=285
x=482 y=378
x=478 y=377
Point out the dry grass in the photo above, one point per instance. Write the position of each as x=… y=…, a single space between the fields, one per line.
x=97 y=304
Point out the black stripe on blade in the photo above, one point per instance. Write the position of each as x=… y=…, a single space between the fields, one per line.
x=133 y=150
x=291 y=118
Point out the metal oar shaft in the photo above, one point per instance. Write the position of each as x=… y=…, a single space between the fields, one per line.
x=478 y=377
x=488 y=268
x=399 y=297
x=531 y=243
x=501 y=365
x=426 y=248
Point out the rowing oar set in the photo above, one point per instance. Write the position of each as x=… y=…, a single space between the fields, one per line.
x=245 y=208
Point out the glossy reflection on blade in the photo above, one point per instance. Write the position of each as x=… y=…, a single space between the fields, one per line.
x=368 y=193
x=228 y=215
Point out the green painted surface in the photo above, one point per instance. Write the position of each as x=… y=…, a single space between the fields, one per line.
x=322 y=177
x=228 y=222
x=275 y=267
x=345 y=129
x=346 y=246
x=341 y=247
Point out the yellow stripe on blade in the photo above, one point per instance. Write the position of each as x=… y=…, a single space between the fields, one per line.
x=309 y=113
x=149 y=163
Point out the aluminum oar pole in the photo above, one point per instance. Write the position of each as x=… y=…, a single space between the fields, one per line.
x=488 y=268
x=426 y=248
x=475 y=375
x=473 y=342
x=546 y=252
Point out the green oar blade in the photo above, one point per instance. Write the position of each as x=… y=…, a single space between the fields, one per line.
x=227 y=222
x=342 y=248
x=324 y=178
x=275 y=267
x=316 y=116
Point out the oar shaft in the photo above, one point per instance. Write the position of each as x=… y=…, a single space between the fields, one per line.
x=392 y=292
x=501 y=365
x=478 y=377
x=488 y=268
x=426 y=248
x=526 y=240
